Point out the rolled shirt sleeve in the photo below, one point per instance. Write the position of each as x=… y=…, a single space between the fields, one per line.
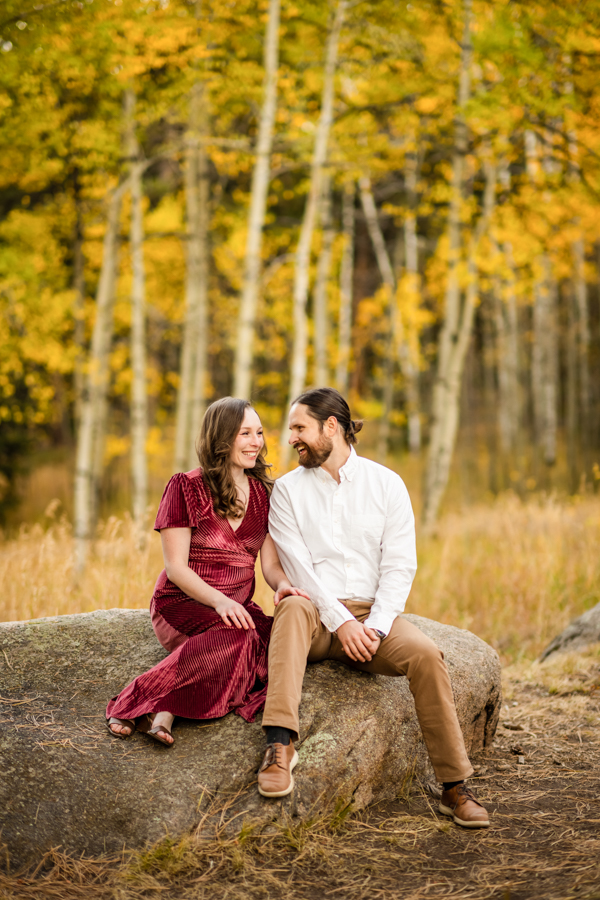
x=297 y=563
x=398 y=564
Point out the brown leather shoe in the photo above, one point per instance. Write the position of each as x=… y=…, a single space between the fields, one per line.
x=275 y=777
x=460 y=803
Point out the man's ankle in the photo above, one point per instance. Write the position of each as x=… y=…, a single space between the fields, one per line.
x=278 y=735
x=448 y=785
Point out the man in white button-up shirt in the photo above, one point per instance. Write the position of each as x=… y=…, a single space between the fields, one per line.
x=344 y=530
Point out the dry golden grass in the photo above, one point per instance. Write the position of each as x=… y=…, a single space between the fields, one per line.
x=514 y=573
x=36 y=570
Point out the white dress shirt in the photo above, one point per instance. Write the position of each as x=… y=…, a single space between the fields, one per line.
x=349 y=541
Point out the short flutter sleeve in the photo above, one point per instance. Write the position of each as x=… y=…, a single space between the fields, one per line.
x=178 y=507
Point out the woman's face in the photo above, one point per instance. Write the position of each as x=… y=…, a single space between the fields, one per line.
x=249 y=441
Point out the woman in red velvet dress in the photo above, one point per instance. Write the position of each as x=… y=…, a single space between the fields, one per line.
x=212 y=523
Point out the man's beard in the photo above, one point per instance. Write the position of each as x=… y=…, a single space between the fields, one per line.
x=315 y=456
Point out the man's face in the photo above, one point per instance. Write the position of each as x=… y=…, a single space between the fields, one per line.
x=308 y=438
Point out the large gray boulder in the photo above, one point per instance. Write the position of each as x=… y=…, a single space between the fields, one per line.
x=66 y=781
x=578 y=634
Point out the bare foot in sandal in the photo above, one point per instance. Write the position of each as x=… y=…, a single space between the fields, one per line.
x=163 y=719
x=121 y=727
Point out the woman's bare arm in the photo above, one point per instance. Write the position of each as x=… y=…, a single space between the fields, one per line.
x=274 y=574
x=176 y=552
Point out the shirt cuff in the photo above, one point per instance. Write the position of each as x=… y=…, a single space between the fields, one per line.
x=335 y=616
x=380 y=621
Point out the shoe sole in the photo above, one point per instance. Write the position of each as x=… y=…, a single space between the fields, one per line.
x=289 y=788
x=446 y=811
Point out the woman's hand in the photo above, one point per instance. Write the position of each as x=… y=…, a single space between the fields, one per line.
x=234 y=613
x=286 y=590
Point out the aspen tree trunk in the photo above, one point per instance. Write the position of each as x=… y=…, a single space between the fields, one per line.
x=458 y=317
x=544 y=352
x=301 y=273
x=258 y=207
x=394 y=322
x=189 y=335
x=581 y=332
x=321 y=318
x=139 y=392
x=396 y=340
x=456 y=320
x=190 y=397
x=551 y=373
x=78 y=311
x=198 y=399
x=539 y=317
x=95 y=385
x=571 y=389
x=507 y=339
x=411 y=265
x=445 y=425
x=583 y=350
x=101 y=421
x=346 y=289
x=506 y=318
x=539 y=313
x=544 y=362
x=490 y=352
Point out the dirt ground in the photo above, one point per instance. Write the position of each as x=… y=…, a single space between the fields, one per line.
x=540 y=782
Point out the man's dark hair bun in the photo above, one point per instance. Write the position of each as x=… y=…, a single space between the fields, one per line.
x=357 y=424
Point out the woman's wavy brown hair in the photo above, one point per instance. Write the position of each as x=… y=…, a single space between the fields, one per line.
x=220 y=427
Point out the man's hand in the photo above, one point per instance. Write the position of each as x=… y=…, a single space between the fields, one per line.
x=286 y=590
x=359 y=642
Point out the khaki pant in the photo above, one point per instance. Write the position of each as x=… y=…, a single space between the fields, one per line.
x=299 y=636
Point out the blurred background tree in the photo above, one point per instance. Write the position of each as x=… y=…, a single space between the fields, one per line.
x=400 y=199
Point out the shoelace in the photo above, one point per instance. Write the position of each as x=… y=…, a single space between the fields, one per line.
x=467 y=793
x=272 y=756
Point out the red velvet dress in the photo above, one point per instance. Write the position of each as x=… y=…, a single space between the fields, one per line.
x=212 y=668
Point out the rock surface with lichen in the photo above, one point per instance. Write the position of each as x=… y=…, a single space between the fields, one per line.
x=66 y=782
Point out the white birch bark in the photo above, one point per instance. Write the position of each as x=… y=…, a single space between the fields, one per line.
x=394 y=322
x=199 y=242
x=139 y=391
x=346 y=289
x=583 y=349
x=258 y=208
x=193 y=350
x=571 y=404
x=550 y=393
x=581 y=323
x=507 y=336
x=396 y=344
x=302 y=266
x=95 y=385
x=539 y=318
x=411 y=265
x=78 y=310
x=458 y=316
x=443 y=438
x=321 y=316
x=544 y=350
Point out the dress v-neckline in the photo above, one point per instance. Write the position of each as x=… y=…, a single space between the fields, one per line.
x=234 y=531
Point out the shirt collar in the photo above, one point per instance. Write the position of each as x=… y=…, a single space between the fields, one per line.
x=346 y=472
x=350 y=466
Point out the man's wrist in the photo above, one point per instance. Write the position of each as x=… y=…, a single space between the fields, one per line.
x=380 y=634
